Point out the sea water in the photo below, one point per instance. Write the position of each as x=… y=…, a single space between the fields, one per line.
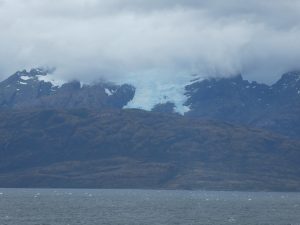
x=146 y=207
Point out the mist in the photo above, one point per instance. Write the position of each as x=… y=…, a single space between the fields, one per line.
x=157 y=44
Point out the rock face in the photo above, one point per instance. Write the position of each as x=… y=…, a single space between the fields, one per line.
x=164 y=108
x=138 y=149
x=38 y=89
x=236 y=100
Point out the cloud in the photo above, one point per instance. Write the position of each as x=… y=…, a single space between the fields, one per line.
x=151 y=41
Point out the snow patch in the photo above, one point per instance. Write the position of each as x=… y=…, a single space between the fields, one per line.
x=50 y=78
x=109 y=92
x=26 y=77
x=23 y=83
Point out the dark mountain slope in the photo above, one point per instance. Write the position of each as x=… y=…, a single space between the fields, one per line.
x=138 y=149
x=236 y=100
x=37 y=89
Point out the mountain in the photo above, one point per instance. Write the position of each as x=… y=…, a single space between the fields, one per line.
x=274 y=107
x=37 y=88
x=139 y=149
x=237 y=135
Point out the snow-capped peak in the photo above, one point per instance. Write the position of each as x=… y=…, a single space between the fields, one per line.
x=40 y=74
x=49 y=78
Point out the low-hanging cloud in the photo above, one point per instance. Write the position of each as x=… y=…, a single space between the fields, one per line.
x=151 y=40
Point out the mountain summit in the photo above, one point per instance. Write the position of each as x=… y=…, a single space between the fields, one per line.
x=38 y=88
x=275 y=107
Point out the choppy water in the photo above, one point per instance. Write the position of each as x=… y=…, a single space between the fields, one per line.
x=142 y=207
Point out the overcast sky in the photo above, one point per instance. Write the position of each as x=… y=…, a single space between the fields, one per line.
x=154 y=39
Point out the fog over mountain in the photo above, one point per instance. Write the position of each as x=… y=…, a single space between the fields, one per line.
x=155 y=45
x=156 y=94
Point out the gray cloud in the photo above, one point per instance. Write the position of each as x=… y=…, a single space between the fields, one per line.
x=150 y=40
